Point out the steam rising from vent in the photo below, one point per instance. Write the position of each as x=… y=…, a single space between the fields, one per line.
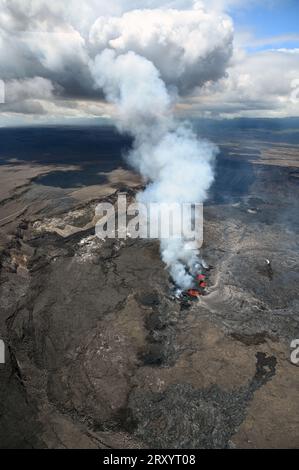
x=148 y=59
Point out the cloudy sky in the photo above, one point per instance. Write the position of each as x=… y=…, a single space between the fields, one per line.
x=241 y=60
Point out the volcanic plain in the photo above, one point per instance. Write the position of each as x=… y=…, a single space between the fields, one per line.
x=99 y=354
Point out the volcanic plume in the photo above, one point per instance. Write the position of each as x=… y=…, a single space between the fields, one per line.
x=146 y=61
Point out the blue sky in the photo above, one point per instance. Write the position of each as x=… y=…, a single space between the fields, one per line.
x=269 y=19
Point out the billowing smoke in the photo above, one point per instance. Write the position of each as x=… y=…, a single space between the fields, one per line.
x=147 y=60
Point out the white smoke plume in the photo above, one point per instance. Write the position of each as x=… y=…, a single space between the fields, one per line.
x=147 y=59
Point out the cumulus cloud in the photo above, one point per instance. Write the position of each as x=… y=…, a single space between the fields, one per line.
x=20 y=90
x=187 y=47
x=26 y=96
x=36 y=41
x=257 y=84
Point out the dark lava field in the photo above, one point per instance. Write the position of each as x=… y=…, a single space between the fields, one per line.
x=98 y=352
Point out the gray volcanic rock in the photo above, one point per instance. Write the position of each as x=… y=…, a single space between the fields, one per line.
x=183 y=417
